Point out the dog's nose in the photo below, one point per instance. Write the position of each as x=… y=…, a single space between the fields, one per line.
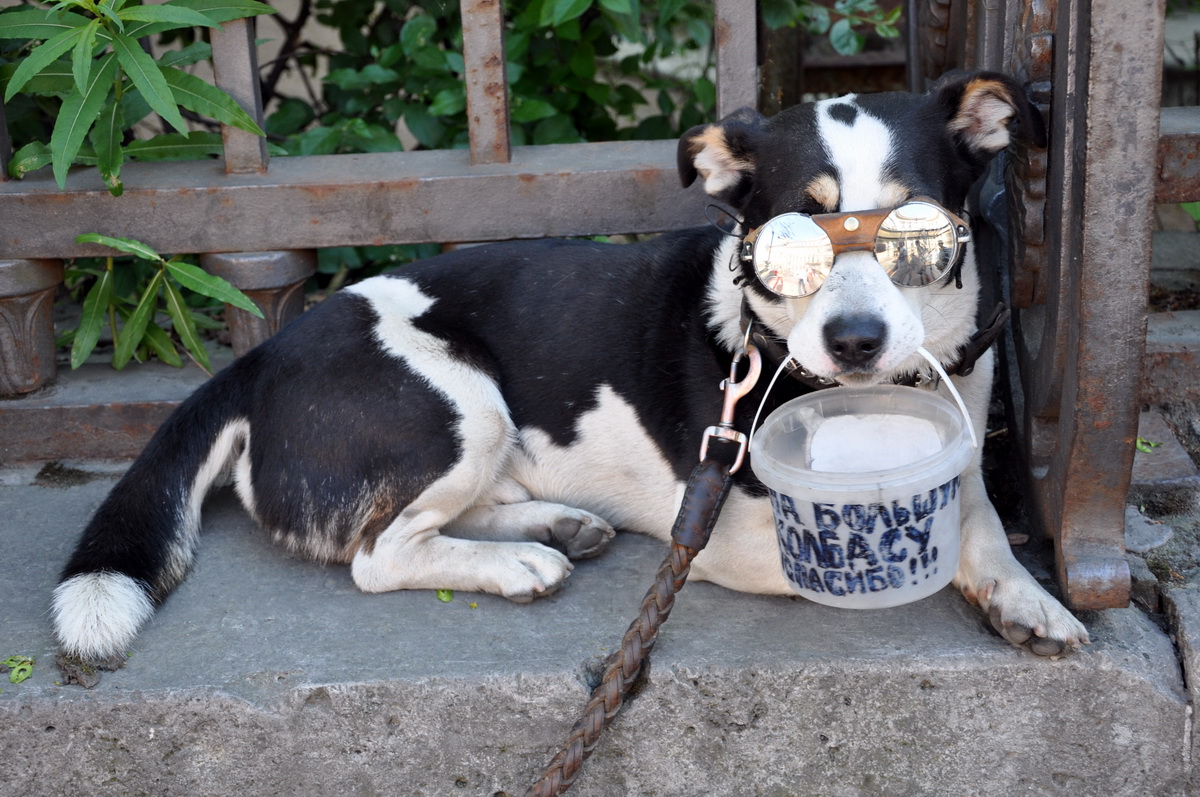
x=855 y=340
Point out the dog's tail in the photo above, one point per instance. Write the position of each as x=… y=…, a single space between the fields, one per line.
x=142 y=540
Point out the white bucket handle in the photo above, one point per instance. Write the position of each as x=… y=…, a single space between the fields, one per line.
x=922 y=351
x=937 y=366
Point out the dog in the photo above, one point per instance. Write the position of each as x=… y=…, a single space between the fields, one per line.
x=478 y=420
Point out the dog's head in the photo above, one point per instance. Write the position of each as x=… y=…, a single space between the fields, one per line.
x=858 y=153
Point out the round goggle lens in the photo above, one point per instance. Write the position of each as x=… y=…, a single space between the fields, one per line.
x=916 y=244
x=792 y=255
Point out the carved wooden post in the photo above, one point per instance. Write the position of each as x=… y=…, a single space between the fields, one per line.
x=27 y=324
x=273 y=280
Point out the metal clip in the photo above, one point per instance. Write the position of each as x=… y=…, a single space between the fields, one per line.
x=734 y=390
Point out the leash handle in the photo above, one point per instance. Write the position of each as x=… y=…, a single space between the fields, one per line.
x=706 y=491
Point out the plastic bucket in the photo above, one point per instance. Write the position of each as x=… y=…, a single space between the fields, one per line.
x=864 y=486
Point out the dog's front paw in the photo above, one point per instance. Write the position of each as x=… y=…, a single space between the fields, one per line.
x=1028 y=616
x=532 y=571
x=579 y=534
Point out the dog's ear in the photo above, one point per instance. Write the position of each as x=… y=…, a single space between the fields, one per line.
x=985 y=109
x=723 y=154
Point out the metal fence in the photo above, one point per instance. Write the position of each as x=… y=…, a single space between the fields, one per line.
x=1080 y=219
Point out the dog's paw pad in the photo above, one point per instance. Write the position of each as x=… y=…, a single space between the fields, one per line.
x=1036 y=621
x=580 y=534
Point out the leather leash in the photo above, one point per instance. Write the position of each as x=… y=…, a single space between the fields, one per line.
x=721 y=454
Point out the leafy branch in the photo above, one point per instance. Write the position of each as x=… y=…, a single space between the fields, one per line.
x=91 y=58
x=839 y=23
x=138 y=335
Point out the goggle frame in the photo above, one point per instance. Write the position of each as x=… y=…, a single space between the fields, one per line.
x=856 y=231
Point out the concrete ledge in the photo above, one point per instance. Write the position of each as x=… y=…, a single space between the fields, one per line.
x=269 y=675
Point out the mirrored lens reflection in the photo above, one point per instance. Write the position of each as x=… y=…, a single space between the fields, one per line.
x=916 y=244
x=792 y=255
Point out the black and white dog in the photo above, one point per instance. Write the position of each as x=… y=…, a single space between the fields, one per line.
x=476 y=421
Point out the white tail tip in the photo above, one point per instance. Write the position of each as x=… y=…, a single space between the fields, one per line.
x=97 y=615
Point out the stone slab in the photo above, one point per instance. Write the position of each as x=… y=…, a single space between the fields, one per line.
x=1172 y=363
x=267 y=675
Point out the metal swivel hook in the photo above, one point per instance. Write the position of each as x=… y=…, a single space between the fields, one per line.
x=734 y=390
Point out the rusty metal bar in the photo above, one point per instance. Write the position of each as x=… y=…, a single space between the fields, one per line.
x=1101 y=401
x=735 y=31
x=487 y=81
x=235 y=67
x=1179 y=155
x=348 y=200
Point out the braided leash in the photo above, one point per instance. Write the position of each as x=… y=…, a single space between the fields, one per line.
x=706 y=491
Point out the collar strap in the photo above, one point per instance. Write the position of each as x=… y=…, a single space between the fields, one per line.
x=774 y=352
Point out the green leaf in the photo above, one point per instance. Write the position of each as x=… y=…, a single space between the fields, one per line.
x=197 y=279
x=39 y=24
x=194 y=53
x=30 y=158
x=81 y=56
x=1145 y=446
x=145 y=74
x=197 y=145
x=160 y=343
x=19 y=668
x=224 y=10
x=77 y=115
x=289 y=117
x=706 y=92
x=448 y=102
x=816 y=21
x=55 y=79
x=106 y=138
x=524 y=110
x=360 y=136
x=376 y=75
x=425 y=127
x=41 y=57
x=196 y=95
x=845 y=40
x=177 y=16
x=618 y=6
x=416 y=33
x=184 y=326
x=556 y=12
x=135 y=327
x=1192 y=209
x=445 y=595
x=95 y=306
x=317 y=141
x=105 y=10
x=583 y=61
x=127 y=245
x=778 y=14
x=134 y=106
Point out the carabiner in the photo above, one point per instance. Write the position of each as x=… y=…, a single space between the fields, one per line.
x=734 y=390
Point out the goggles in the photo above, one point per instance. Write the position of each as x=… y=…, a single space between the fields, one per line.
x=919 y=243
